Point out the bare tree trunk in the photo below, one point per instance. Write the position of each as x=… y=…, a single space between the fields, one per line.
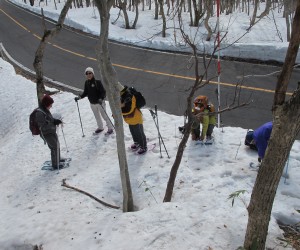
x=229 y=8
x=136 y=3
x=143 y=5
x=110 y=81
x=208 y=15
x=248 y=7
x=123 y=6
x=156 y=9
x=169 y=6
x=286 y=14
x=256 y=2
x=190 y=11
x=182 y=145
x=283 y=79
x=286 y=126
x=39 y=54
x=198 y=13
x=267 y=9
x=77 y=4
x=164 y=26
x=198 y=83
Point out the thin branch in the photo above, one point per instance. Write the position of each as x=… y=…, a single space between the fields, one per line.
x=64 y=184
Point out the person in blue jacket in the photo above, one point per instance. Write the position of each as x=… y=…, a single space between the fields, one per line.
x=261 y=138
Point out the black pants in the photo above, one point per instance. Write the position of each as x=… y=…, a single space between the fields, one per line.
x=196 y=130
x=53 y=144
x=138 y=135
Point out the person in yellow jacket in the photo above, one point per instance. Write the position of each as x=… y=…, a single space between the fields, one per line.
x=202 y=109
x=134 y=118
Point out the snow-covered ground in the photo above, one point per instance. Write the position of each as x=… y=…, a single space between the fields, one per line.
x=266 y=40
x=36 y=209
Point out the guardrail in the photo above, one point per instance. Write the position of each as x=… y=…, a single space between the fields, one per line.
x=28 y=72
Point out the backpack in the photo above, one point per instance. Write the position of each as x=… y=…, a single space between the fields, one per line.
x=140 y=99
x=33 y=126
x=211 y=107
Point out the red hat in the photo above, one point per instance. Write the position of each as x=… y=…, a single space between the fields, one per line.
x=47 y=100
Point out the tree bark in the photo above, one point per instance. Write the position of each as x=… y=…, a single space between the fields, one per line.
x=267 y=9
x=252 y=22
x=123 y=6
x=287 y=12
x=164 y=25
x=136 y=3
x=198 y=13
x=39 y=54
x=287 y=69
x=155 y=9
x=208 y=15
x=286 y=126
x=110 y=81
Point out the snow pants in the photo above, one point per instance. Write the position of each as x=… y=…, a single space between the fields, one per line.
x=53 y=144
x=196 y=131
x=101 y=111
x=138 y=135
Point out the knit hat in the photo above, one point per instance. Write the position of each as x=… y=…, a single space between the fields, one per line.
x=201 y=99
x=89 y=69
x=47 y=100
x=120 y=87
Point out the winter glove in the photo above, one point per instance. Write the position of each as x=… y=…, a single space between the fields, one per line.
x=57 y=122
x=77 y=98
x=259 y=159
x=100 y=101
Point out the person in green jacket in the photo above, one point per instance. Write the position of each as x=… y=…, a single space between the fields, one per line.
x=202 y=109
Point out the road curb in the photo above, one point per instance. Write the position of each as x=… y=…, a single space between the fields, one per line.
x=28 y=73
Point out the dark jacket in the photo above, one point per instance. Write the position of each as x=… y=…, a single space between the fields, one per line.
x=261 y=137
x=45 y=121
x=94 y=90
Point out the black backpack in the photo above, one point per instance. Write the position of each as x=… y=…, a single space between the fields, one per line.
x=33 y=126
x=140 y=99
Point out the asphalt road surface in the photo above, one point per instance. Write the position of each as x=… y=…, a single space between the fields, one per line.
x=164 y=78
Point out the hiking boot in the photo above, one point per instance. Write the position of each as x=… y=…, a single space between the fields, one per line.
x=209 y=137
x=142 y=151
x=135 y=147
x=109 y=131
x=98 y=130
x=195 y=137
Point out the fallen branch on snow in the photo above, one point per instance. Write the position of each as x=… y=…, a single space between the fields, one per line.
x=64 y=184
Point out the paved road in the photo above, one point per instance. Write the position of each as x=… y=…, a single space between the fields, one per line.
x=162 y=77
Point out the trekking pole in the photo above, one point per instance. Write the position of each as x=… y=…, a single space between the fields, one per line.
x=153 y=116
x=286 y=170
x=80 y=119
x=155 y=108
x=57 y=153
x=64 y=138
x=107 y=116
x=219 y=114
